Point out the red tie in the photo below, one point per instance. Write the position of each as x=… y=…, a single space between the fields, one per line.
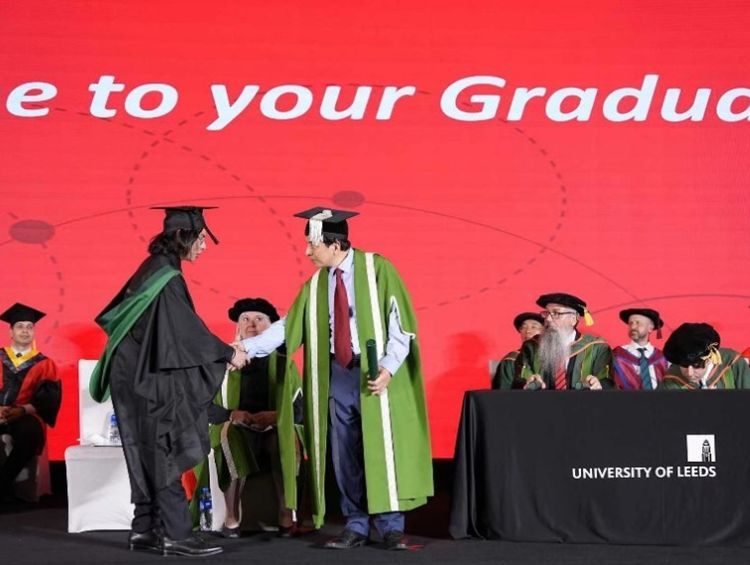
x=342 y=336
x=561 y=382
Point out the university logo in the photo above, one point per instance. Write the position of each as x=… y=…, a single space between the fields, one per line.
x=701 y=448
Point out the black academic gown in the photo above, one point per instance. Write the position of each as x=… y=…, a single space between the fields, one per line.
x=164 y=374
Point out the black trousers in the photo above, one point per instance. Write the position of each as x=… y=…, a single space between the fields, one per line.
x=167 y=507
x=28 y=439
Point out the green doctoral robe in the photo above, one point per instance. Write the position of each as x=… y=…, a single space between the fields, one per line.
x=732 y=372
x=396 y=436
x=506 y=371
x=589 y=355
x=233 y=457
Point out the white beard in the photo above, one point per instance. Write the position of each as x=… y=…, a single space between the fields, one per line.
x=553 y=352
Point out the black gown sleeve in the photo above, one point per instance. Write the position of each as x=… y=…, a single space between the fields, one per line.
x=46 y=401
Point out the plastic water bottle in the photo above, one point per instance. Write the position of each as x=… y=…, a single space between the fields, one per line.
x=205 y=504
x=113 y=432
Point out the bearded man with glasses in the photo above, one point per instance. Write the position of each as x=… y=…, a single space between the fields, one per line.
x=562 y=358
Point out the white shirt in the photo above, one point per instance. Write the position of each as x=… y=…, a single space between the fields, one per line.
x=396 y=348
x=633 y=348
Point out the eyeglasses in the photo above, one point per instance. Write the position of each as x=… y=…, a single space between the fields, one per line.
x=554 y=315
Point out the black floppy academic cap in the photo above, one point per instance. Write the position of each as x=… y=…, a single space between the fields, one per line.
x=652 y=315
x=253 y=305
x=567 y=300
x=523 y=316
x=186 y=218
x=21 y=313
x=691 y=343
x=326 y=222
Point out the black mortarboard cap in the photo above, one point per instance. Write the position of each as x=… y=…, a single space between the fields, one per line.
x=326 y=222
x=567 y=300
x=21 y=313
x=691 y=343
x=186 y=218
x=253 y=305
x=652 y=315
x=523 y=316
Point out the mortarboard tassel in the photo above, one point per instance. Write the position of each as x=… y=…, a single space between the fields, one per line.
x=713 y=354
x=316 y=226
x=587 y=318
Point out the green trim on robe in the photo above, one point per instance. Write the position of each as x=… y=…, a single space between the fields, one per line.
x=398 y=465
x=591 y=356
x=243 y=461
x=118 y=321
x=505 y=371
x=732 y=373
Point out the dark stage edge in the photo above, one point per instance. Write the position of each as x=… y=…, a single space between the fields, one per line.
x=38 y=534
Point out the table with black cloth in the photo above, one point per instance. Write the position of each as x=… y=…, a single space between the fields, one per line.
x=570 y=466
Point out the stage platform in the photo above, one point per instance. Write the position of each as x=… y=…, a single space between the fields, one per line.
x=37 y=534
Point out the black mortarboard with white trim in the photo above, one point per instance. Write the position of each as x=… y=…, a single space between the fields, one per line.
x=326 y=222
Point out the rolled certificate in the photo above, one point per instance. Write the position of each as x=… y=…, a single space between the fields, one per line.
x=372 y=359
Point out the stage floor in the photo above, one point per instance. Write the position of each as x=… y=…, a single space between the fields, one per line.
x=38 y=534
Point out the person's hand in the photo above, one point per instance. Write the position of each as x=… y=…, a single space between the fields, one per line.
x=592 y=383
x=239 y=359
x=242 y=417
x=540 y=384
x=265 y=419
x=12 y=413
x=381 y=383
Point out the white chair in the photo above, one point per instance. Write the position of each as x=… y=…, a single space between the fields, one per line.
x=98 y=484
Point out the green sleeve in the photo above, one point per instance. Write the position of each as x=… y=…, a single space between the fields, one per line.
x=505 y=373
x=601 y=367
x=524 y=365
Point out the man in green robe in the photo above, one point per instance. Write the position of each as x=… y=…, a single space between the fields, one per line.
x=562 y=358
x=527 y=324
x=698 y=361
x=355 y=312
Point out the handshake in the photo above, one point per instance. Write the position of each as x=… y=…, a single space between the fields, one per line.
x=239 y=357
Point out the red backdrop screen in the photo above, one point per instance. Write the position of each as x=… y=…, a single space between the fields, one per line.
x=495 y=151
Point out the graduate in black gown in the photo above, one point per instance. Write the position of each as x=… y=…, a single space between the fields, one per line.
x=163 y=367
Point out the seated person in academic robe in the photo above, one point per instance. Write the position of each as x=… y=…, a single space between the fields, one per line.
x=527 y=324
x=562 y=358
x=699 y=361
x=639 y=365
x=30 y=393
x=243 y=420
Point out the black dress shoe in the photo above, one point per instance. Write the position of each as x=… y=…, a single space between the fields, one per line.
x=395 y=541
x=231 y=533
x=346 y=540
x=192 y=547
x=145 y=541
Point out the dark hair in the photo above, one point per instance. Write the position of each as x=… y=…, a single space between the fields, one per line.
x=175 y=242
x=344 y=243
